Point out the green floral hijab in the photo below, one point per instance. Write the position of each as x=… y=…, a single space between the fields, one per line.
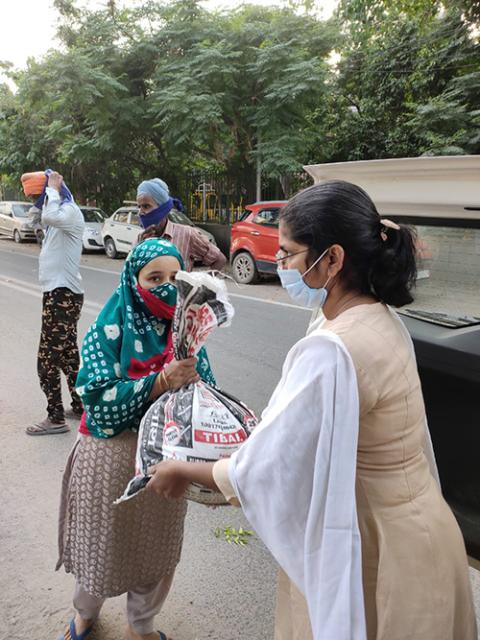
x=127 y=346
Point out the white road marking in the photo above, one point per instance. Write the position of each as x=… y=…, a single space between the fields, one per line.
x=115 y=273
x=93 y=307
x=276 y=302
x=231 y=294
x=90 y=307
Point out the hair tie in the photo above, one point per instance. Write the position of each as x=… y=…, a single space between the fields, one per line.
x=387 y=224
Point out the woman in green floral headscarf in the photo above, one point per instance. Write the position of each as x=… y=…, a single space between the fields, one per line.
x=130 y=343
x=127 y=362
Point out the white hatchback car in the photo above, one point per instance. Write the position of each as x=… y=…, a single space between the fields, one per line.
x=92 y=235
x=122 y=228
x=15 y=220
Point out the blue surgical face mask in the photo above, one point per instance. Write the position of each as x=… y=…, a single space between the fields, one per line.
x=293 y=282
x=155 y=216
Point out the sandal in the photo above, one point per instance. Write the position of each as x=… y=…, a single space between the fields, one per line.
x=162 y=635
x=46 y=427
x=71 y=632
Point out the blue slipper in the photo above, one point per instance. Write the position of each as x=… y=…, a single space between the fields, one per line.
x=71 y=633
x=162 y=635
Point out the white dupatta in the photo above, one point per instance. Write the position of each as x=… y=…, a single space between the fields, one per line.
x=295 y=479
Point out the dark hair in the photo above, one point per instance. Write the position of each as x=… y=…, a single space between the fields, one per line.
x=338 y=212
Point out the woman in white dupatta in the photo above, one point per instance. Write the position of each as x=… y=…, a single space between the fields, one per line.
x=337 y=479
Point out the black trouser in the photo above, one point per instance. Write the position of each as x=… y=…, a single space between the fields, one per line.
x=58 y=349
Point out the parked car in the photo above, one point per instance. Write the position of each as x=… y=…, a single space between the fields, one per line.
x=15 y=220
x=441 y=198
x=94 y=221
x=254 y=241
x=92 y=234
x=122 y=228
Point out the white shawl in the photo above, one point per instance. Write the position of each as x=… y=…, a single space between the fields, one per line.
x=295 y=479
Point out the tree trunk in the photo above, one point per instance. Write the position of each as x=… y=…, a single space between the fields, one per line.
x=286 y=183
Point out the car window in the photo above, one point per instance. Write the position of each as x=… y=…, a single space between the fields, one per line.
x=92 y=215
x=448 y=263
x=5 y=209
x=267 y=217
x=135 y=218
x=21 y=210
x=180 y=218
x=121 y=216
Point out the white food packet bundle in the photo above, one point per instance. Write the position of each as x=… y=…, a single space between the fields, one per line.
x=197 y=423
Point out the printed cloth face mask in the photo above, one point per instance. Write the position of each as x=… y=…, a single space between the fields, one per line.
x=160 y=300
x=299 y=291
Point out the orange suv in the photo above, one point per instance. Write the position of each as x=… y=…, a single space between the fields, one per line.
x=254 y=241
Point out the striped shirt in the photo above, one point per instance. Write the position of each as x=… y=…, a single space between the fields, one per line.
x=194 y=246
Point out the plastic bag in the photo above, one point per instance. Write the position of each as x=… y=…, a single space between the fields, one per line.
x=197 y=423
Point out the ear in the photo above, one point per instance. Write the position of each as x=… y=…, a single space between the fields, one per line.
x=336 y=260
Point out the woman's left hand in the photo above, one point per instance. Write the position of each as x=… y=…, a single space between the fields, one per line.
x=167 y=479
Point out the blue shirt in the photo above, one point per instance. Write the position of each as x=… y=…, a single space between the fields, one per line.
x=59 y=261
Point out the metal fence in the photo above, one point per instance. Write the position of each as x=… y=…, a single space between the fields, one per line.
x=213 y=197
x=216 y=197
x=208 y=197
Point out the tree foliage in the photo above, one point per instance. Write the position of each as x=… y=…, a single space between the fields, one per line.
x=407 y=84
x=170 y=89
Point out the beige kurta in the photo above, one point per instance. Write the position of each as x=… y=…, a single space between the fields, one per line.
x=415 y=572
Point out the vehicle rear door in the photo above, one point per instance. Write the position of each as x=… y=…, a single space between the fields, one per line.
x=444 y=322
x=265 y=230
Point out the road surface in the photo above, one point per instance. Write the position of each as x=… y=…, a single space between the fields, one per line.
x=220 y=592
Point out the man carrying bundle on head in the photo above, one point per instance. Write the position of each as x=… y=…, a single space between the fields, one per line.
x=61 y=283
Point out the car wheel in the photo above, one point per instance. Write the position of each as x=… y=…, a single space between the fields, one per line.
x=110 y=248
x=244 y=268
x=16 y=236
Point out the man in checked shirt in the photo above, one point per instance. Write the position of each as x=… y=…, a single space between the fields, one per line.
x=154 y=204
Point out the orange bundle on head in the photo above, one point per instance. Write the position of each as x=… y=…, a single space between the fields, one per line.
x=33 y=183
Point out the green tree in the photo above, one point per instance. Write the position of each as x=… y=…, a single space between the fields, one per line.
x=174 y=89
x=240 y=84
x=406 y=83
x=167 y=90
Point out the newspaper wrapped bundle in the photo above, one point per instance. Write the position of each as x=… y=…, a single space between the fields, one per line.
x=197 y=423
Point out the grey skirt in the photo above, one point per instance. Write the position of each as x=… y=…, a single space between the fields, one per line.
x=112 y=549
